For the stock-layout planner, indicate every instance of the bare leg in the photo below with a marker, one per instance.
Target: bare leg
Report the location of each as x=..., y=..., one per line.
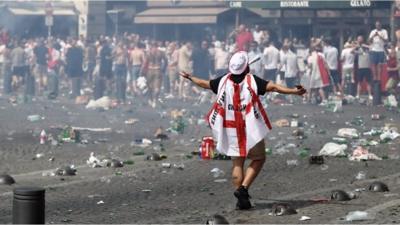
x=374, y=71
x=252, y=171
x=237, y=171
x=369, y=89
x=359, y=88
x=181, y=87
x=322, y=93
x=378, y=72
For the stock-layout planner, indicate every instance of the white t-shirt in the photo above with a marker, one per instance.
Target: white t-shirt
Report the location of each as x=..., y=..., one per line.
x=378, y=45
x=257, y=36
x=271, y=58
x=2, y=48
x=257, y=66
x=282, y=58
x=303, y=53
x=348, y=58
x=291, y=65
x=221, y=58
x=331, y=56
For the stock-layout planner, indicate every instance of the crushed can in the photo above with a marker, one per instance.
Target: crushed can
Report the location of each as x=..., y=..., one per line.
x=375, y=117
x=207, y=148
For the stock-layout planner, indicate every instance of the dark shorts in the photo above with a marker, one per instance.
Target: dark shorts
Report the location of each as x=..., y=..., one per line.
x=19, y=71
x=106, y=71
x=270, y=75
x=290, y=82
x=377, y=57
x=363, y=74
x=335, y=77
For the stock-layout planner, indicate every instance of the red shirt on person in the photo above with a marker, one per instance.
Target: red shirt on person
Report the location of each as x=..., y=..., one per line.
x=392, y=63
x=242, y=39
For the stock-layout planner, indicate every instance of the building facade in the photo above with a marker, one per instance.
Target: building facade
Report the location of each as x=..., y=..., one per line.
x=305, y=18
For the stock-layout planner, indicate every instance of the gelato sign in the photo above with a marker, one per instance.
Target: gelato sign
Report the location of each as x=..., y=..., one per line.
x=360, y=3
x=295, y=4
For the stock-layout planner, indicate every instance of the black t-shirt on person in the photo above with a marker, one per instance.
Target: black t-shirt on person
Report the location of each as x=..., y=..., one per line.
x=261, y=83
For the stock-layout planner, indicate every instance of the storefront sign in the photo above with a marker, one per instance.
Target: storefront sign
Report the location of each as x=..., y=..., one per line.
x=313, y=4
x=360, y=3
x=294, y=4
x=48, y=21
x=235, y=4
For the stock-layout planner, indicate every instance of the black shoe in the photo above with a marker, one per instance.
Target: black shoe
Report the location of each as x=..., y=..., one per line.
x=243, y=196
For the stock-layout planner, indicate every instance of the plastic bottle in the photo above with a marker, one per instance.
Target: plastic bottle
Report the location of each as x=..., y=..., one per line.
x=43, y=137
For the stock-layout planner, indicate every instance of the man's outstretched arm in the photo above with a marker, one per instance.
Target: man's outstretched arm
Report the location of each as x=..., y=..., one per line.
x=299, y=90
x=199, y=82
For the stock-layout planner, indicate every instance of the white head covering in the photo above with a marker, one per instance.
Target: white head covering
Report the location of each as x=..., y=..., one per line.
x=238, y=63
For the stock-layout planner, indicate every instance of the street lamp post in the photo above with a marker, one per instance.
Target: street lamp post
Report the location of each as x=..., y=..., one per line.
x=116, y=23
x=49, y=17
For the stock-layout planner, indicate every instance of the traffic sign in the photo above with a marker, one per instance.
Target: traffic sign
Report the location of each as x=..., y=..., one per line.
x=48, y=21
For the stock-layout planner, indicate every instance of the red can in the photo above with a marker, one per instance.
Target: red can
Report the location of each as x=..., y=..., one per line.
x=207, y=148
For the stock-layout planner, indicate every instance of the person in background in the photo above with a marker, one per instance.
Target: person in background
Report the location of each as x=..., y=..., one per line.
x=185, y=63
x=41, y=57
x=331, y=55
x=120, y=56
x=201, y=62
x=105, y=67
x=90, y=59
x=136, y=63
x=155, y=59
x=362, y=66
x=243, y=37
x=6, y=69
x=393, y=70
x=292, y=69
x=18, y=64
x=74, y=60
x=270, y=61
x=254, y=52
x=377, y=39
x=319, y=72
x=258, y=34
x=347, y=59
x=211, y=53
x=172, y=69
x=221, y=58
x=2, y=50
x=53, y=66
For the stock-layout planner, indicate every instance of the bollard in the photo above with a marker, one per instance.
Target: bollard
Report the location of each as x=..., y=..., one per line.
x=377, y=98
x=29, y=205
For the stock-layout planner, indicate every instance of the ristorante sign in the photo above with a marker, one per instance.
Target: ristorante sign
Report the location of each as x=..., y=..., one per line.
x=310, y=4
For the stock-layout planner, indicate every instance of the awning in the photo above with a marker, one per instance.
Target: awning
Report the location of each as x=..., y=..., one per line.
x=266, y=13
x=40, y=12
x=115, y=11
x=179, y=15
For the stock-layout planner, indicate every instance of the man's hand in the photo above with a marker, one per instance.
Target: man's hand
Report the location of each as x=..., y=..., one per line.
x=186, y=75
x=300, y=90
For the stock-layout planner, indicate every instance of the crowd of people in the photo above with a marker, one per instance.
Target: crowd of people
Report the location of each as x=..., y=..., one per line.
x=133, y=66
